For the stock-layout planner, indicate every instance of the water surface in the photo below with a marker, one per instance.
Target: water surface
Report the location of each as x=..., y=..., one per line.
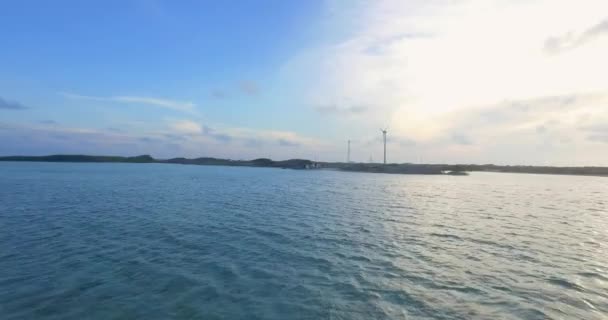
x=156, y=241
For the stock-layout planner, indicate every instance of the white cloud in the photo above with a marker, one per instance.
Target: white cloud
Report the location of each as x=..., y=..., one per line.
x=163, y=103
x=235, y=142
x=571, y=40
x=419, y=66
x=186, y=127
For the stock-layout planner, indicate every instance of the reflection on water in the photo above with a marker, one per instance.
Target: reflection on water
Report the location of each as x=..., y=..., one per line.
x=102, y=241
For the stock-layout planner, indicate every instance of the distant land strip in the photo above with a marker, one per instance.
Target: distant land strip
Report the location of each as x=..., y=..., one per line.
x=404, y=168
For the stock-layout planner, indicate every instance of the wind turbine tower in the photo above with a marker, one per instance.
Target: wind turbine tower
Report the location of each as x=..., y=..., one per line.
x=384, y=131
x=348, y=153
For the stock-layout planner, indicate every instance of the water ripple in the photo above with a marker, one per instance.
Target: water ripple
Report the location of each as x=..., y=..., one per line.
x=119, y=241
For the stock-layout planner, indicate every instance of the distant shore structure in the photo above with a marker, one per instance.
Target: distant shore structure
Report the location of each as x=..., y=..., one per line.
x=384, y=131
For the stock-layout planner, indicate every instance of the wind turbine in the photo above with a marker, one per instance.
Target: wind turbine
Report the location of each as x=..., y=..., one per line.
x=348, y=153
x=384, y=131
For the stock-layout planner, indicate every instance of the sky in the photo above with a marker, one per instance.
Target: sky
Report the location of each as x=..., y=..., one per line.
x=453, y=81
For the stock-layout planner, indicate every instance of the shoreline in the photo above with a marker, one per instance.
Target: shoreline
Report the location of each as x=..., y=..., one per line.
x=304, y=164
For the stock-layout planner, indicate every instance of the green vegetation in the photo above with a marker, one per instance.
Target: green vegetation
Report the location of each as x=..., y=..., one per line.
x=460, y=169
x=289, y=164
x=586, y=171
x=389, y=168
x=405, y=168
x=80, y=158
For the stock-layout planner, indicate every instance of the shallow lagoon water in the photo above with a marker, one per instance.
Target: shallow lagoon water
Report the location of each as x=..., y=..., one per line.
x=155, y=241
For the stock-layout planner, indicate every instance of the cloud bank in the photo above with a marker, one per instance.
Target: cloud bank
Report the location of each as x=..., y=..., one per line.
x=468, y=80
x=179, y=138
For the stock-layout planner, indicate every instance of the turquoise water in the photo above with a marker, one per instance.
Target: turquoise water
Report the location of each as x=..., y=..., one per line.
x=154, y=241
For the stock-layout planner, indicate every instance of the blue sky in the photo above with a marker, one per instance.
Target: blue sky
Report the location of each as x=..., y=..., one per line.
x=218, y=56
x=454, y=81
x=190, y=51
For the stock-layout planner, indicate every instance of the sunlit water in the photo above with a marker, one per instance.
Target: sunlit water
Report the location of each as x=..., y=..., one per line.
x=153, y=241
